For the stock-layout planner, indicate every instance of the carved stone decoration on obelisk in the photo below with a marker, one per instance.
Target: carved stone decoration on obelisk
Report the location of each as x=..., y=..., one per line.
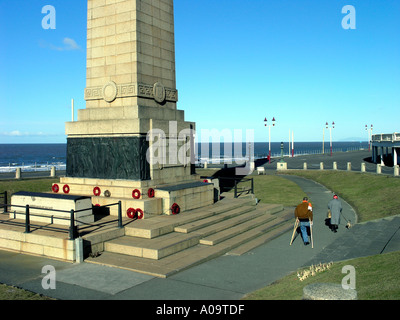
x=130, y=89
x=127, y=144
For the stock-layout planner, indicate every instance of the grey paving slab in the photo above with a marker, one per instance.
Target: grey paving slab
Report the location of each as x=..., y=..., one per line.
x=174, y=289
x=101, y=278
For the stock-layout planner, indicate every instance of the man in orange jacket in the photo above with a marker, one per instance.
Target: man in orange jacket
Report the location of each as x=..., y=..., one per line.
x=304, y=214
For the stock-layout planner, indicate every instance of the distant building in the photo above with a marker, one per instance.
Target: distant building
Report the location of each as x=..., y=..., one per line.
x=386, y=148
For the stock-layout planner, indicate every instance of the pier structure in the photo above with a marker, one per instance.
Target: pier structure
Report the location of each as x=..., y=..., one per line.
x=386, y=148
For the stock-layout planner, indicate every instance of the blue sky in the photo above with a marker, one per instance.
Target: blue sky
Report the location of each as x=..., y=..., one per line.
x=237, y=62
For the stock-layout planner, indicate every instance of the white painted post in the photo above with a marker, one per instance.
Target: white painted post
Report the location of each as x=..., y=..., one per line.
x=348, y=166
x=396, y=170
x=18, y=173
x=79, y=250
x=321, y=166
x=363, y=167
x=305, y=166
x=334, y=165
x=53, y=171
x=378, y=168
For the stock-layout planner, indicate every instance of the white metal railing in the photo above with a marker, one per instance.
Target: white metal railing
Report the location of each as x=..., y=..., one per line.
x=386, y=137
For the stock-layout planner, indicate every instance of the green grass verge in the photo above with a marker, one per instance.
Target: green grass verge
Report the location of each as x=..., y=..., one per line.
x=276, y=189
x=13, y=293
x=31, y=185
x=372, y=196
x=376, y=279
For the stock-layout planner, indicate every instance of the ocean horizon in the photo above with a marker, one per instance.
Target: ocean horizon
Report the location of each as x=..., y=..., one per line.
x=43, y=156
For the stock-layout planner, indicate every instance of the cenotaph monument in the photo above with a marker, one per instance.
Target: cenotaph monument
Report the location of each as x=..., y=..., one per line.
x=131, y=143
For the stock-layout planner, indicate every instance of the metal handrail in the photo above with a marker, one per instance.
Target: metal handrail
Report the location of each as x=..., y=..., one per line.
x=236, y=182
x=4, y=195
x=73, y=229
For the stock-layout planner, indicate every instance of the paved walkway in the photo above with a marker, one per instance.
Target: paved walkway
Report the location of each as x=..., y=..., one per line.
x=341, y=158
x=225, y=278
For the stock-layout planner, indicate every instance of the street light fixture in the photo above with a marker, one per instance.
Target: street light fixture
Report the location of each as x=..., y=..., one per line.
x=269, y=135
x=330, y=133
x=369, y=136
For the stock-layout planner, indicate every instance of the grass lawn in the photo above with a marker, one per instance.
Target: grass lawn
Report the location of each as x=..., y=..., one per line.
x=13, y=293
x=377, y=278
x=276, y=189
x=31, y=185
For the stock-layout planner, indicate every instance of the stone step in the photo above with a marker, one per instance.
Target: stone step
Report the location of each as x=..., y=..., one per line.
x=152, y=248
x=212, y=220
x=182, y=260
x=245, y=207
x=172, y=252
x=232, y=222
x=159, y=225
x=244, y=237
x=212, y=238
x=264, y=238
x=126, y=192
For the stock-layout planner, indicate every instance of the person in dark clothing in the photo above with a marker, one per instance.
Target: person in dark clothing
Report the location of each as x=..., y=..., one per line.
x=335, y=208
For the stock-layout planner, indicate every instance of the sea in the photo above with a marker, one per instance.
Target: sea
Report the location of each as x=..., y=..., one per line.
x=41, y=157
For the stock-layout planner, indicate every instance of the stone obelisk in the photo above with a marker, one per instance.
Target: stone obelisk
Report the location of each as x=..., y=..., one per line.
x=130, y=92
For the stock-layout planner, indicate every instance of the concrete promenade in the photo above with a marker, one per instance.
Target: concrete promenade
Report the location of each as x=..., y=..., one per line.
x=228, y=277
x=341, y=158
x=313, y=163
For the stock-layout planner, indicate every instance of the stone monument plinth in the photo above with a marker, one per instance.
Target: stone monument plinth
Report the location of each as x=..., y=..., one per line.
x=131, y=143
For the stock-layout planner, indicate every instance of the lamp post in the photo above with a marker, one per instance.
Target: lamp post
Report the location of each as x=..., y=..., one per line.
x=330, y=133
x=269, y=136
x=369, y=136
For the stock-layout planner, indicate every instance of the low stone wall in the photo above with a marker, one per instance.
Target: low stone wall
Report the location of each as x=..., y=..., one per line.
x=37, y=244
x=51, y=208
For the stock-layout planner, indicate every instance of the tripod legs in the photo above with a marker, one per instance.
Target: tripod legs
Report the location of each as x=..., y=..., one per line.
x=296, y=224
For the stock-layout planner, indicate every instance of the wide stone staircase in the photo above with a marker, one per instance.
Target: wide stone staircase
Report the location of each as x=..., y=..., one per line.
x=164, y=245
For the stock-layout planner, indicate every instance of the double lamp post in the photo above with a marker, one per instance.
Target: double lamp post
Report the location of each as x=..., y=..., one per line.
x=269, y=135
